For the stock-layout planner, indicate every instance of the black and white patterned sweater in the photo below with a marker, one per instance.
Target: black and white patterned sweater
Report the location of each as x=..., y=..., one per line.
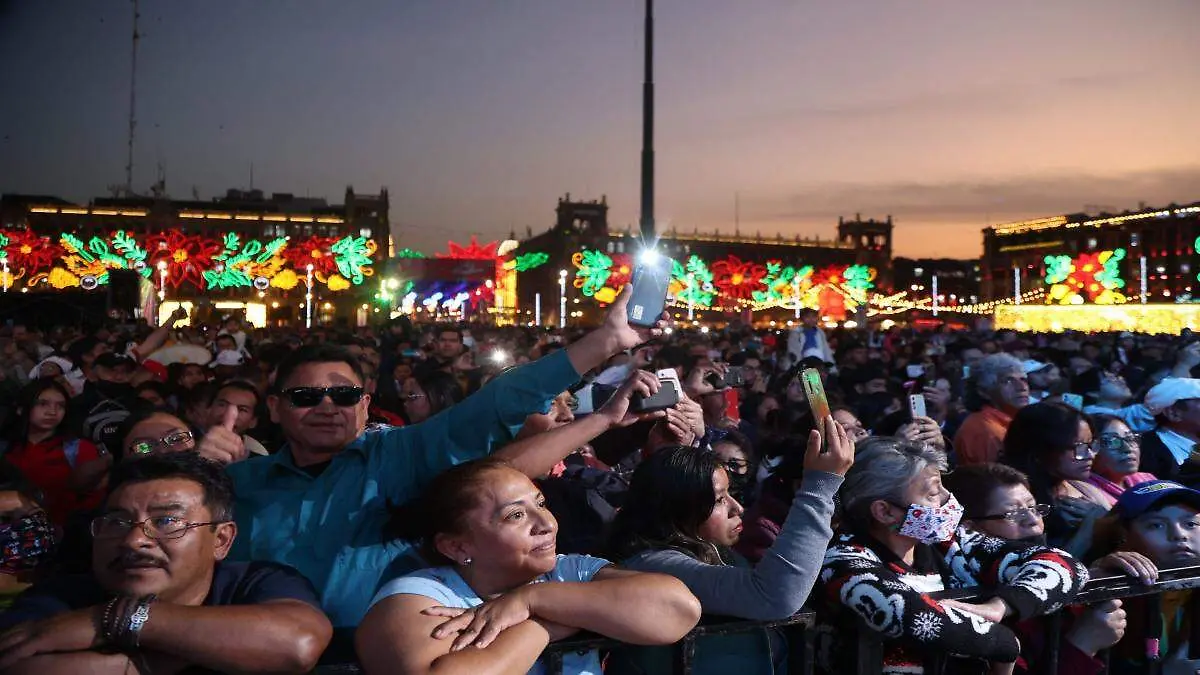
x=864, y=585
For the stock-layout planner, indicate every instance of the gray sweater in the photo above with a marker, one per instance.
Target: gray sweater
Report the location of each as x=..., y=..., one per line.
x=779, y=585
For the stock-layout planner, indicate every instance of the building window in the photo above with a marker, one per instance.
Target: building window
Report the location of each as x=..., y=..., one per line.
x=365, y=232
x=1092, y=243
x=612, y=247
x=620, y=247
x=1134, y=239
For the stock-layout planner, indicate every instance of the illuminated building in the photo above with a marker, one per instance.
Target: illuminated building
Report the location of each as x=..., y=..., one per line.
x=713, y=271
x=1036, y=253
x=245, y=247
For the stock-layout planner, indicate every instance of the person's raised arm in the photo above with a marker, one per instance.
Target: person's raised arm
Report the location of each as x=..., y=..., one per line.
x=536, y=455
x=159, y=337
x=470, y=429
x=778, y=586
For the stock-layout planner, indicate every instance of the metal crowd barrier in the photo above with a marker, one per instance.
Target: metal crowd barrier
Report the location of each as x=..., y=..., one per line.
x=869, y=661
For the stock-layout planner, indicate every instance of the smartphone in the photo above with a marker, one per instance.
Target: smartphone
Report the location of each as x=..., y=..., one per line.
x=651, y=279
x=667, y=396
x=966, y=372
x=1073, y=400
x=814, y=391
x=916, y=405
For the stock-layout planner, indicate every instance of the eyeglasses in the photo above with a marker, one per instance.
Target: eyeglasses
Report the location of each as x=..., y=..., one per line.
x=1084, y=450
x=1017, y=515
x=310, y=397
x=171, y=440
x=112, y=526
x=737, y=465
x=1113, y=442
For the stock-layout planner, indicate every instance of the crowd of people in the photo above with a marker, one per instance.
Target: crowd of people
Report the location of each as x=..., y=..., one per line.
x=446, y=498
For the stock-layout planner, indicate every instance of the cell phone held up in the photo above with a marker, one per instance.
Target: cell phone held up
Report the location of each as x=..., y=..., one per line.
x=651, y=279
x=916, y=406
x=814, y=391
x=667, y=396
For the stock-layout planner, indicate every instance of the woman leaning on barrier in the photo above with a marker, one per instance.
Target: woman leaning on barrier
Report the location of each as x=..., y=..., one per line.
x=679, y=519
x=501, y=593
x=900, y=541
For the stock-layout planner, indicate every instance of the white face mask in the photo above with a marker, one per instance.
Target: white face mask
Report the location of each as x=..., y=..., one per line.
x=932, y=524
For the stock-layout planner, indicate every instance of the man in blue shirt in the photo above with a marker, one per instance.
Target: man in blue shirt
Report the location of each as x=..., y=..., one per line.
x=320, y=504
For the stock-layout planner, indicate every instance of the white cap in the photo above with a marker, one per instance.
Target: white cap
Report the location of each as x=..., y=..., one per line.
x=1171, y=391
x=63, y=364
x=227, y=357
x=1032, y=366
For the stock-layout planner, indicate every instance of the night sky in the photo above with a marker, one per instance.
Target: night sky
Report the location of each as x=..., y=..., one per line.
x=479, y=114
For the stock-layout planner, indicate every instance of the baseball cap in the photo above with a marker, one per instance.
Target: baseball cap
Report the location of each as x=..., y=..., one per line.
x=1032, y=366
x=1171, y=391
x=114, y=360
x=1141, y=498
x=158, y=370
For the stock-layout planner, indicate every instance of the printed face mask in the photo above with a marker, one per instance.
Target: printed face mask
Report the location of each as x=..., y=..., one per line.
x=932, y=524
x=25, y=544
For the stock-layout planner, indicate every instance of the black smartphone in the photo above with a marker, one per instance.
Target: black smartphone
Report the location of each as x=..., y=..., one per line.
x=667, y=396
x=651, y=279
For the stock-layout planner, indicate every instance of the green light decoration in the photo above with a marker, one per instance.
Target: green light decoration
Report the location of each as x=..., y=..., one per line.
x=410, y=254
x=233, y=271
x=695, y=282
x=859, y=278
x=352, y=254
x=529, y=261
x=134, y=254
x=3, y=245
x=780, y=282
x=594, y=270
x=1058, y=268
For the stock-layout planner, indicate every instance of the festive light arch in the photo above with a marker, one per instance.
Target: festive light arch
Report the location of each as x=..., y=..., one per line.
x=1089, y=278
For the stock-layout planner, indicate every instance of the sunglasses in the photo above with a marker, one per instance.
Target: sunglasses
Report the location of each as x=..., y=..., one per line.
x=310, y=397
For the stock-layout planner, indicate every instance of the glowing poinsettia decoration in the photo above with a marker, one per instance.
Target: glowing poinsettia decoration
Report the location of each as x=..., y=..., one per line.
x=1089, y=277
x=27, y=254
x=692, y=283
x=187, y=257
x=472, y=251
x=738, y=279
x=239, y=265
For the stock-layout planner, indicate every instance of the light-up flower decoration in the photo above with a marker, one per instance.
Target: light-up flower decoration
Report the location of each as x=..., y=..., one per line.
x=738, y=279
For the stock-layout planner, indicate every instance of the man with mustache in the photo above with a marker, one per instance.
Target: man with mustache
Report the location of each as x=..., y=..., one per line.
x=160, y=597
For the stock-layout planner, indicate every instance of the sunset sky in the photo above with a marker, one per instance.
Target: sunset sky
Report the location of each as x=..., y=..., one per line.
x=479, y=114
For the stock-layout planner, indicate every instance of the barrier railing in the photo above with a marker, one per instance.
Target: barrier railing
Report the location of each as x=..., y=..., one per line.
x=801, y=639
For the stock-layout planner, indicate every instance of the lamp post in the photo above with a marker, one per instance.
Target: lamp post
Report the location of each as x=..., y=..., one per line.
x=935, y=295
x=562, y=299
x=1144, y=279
x=537, y=309
x=796, y=294
x=691, y=296
x=1016, y=285
x=4, y=262
x=308, y=297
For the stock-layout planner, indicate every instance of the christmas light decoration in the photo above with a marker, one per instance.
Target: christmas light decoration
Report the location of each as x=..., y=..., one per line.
x=408, y=253
x=352, y=255
x=692, y=283
x=782, y=284
x=472, y=251
x=529, y=261
x=239, y=265
x=1154, y=319
x=600, y=276
x=1088, y=278
x=737, y=279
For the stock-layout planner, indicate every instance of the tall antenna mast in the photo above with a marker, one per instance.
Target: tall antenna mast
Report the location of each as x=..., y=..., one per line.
x=647, y=215
x=132, y=102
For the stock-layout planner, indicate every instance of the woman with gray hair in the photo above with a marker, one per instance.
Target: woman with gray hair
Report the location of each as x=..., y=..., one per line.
x=900, y=540
x=997, y=389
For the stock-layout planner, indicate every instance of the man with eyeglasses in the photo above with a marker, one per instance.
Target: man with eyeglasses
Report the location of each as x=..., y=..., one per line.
x=321, y=502
x=160, y=597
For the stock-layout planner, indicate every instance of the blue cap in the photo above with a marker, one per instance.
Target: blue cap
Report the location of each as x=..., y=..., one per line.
x=1141, y=498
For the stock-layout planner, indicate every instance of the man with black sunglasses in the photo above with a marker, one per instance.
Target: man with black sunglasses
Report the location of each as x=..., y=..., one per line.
x=160, y=597
x=321, y=502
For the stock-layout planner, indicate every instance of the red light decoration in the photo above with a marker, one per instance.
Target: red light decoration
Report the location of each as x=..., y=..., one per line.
x=738, y=279
x=187, y=257
x=472, y=251
x=312, y=251
x=28, y=251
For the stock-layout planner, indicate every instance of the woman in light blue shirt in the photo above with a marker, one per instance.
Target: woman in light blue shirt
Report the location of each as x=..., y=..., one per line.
x=502, y=593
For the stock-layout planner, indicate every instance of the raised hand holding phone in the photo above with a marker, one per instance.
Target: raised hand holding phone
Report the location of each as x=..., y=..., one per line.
x=814, y=391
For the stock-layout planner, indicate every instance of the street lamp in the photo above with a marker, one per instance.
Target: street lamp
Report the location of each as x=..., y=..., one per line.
x=308, y=297
x=691, y=296
x=562, y=299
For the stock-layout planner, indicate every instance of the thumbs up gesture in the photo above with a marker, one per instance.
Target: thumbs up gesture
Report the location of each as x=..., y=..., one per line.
x=221, y=443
